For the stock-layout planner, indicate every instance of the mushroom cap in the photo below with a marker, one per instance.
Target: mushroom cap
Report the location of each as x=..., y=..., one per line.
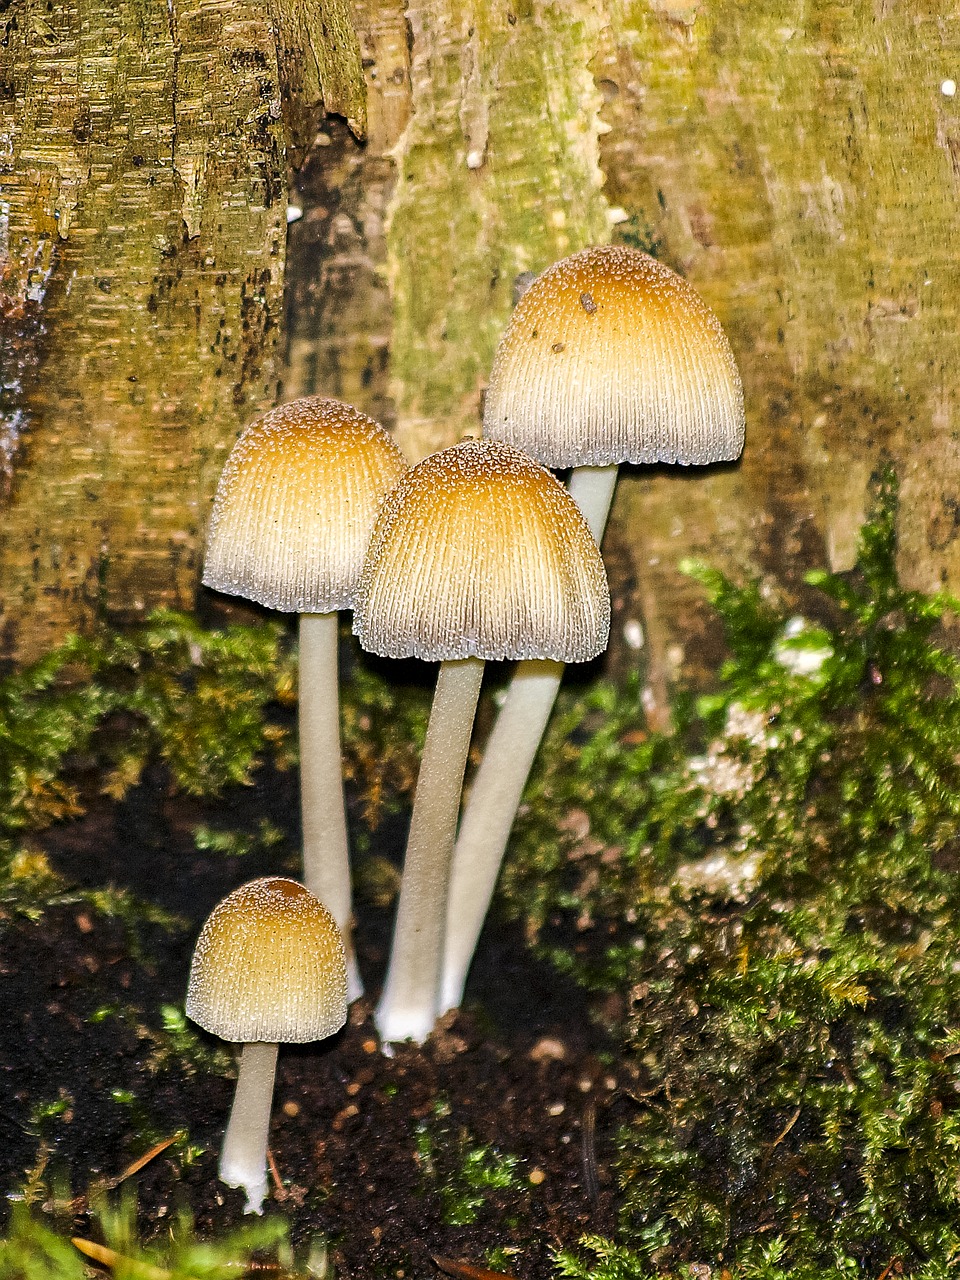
x=269, y=966
x=480, y=552
x=295, y=505
x=612, y=357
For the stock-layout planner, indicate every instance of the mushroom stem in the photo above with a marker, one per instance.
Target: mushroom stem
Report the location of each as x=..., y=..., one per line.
x=592, y=488
x=408, y=1006
x=243, y=1161
x=326, y=856
x=488, y=816
x=497, y=787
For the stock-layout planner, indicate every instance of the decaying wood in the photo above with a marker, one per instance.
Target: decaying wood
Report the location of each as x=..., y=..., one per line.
x=144, y=220
x=798, y=163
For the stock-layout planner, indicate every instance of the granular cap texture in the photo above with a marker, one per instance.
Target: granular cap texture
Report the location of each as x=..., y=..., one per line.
x=480, y=552
x=295, y=505
x=612, y=357
x=269, y=966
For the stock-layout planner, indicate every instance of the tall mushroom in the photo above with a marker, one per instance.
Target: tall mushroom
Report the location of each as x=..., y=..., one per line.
x=478, y=553
x=269, y=968
x=291, y=519
x=609, y=357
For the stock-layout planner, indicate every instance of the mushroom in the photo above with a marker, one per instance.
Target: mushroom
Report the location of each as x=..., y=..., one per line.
x=609, y=357
x=478, y=553
x=268, y=968
x=291, y=518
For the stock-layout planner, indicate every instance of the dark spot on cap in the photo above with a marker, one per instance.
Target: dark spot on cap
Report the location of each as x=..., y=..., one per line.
x=557, y=348
x=588, y=304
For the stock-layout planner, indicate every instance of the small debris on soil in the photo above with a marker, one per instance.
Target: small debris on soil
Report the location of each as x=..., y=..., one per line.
x=373, y=1152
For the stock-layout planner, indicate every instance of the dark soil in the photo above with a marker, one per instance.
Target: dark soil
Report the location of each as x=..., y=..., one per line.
x=367, y=1150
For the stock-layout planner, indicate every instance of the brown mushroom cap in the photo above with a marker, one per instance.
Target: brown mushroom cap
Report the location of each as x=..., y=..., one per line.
x=612, y=357
x=269, y=966
x=295, y=505
x=480, y=552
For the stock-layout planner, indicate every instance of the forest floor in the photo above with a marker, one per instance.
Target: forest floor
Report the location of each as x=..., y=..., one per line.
x=766, y=902
x=490, y=1145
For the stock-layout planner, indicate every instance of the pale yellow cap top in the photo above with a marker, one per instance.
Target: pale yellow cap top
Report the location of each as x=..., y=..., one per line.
x=480, y=552
x=612, y=357
x=295, y=505
x=269, y=966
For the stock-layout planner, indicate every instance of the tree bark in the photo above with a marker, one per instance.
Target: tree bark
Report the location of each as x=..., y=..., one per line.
x=798, y=163
x=144, y=221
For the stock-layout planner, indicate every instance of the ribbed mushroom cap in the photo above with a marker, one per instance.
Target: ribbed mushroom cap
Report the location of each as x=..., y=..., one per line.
x=269, y=966
x=481, y=552
x=612, y=357
x=295, y=505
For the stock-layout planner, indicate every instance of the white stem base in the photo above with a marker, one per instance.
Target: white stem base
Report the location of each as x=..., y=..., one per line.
x=408, y=1006
x=243, y=1161
x=326, y=856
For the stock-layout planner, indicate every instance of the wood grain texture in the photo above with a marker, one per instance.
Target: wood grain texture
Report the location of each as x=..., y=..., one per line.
x=798, y=163
x=340, y=317
x=144, y=201
x=498, y=174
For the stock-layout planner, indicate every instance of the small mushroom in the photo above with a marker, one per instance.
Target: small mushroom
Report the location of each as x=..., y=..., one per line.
x=478, y=553
x=609, y=357
x=291, y=519
x=268, y=968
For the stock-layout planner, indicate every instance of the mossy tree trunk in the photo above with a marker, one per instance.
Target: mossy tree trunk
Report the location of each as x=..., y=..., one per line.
x=798, y=163
x=143, y=195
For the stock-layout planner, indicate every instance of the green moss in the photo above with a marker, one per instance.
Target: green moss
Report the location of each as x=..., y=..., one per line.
x=238, y=844
x=465, y=1174
x=599, y=1259
x=177, y=1042
x=28, y=884
x=202, y=702
x=35, y=1249
x=44, y=1115
x=774, y=890
x=46, y=712
x=383, y=726
x=210, y=707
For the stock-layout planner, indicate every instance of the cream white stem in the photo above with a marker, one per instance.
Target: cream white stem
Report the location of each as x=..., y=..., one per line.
x=243, y=1161
x=592, y=488
x=326, y=856
x=488, y=816
x=497, y=788
x=408, y=1006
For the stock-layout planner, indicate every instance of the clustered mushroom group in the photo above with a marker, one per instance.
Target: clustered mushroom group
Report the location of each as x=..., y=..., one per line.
x=478, y=552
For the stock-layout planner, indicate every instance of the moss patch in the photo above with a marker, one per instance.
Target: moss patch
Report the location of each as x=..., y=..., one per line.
x=772, y=891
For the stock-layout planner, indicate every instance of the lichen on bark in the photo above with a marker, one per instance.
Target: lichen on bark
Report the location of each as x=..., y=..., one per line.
x=498, y=174
x=797, y=163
